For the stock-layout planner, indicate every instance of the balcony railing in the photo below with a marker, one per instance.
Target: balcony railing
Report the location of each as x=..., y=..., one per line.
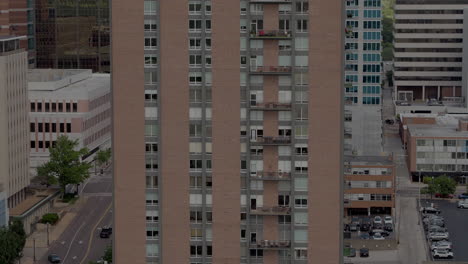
x=270, y=106
x=272, y=175
x=271, y=210
x=270, y=34
x=270, y=1
x=275, y=70
x=272, y=141
x=271, y=244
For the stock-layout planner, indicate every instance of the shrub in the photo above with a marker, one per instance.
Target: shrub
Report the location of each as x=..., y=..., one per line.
x=50, y=218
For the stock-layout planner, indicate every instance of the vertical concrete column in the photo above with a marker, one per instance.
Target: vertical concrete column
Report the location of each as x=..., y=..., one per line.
x=423, y=93
x=174, y=146
x=438, y=92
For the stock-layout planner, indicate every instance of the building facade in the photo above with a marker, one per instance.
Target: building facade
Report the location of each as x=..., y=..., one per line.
x=17, y=19
x=3, y=207
x=437, y=145
x=428, y=50
x=73, y=34
x=75, y=103
x=363, y=78
x=228, y=139
x=14, y=154
x=369, y=185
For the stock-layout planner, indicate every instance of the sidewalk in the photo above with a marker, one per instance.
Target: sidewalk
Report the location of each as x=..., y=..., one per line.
x=39, y=237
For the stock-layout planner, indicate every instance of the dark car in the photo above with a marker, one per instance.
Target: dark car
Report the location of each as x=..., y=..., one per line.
x=463, y=196
x=439, y=195
x=388, y=227
x=378, y=226
x=364, y=252
x=365, y=227
x=430, y=210
x=105, y=232
x=53, y=258
x=365, y=236
x=352, y=252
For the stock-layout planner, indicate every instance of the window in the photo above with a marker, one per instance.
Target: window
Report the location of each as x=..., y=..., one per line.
x=195, y=8
x=150, y=25
x=75, y=107
x=151, y=43
x=256, y=253
x=300, y=166
x=33, y=144
x=207, y=8
x=151, y=182
x=151, y=130
x=152, y=216
x=300, y=201
x=208, y=43
x=372, y=3
x=47, y=127
x=208, y=25
x=32, y=127
x=302, y=43
x=152, y=232
x=39, y=127
x=151, y=77
x=301, y=25
x=151, y=60
x=195, y=164
x=151, y=198
x=195, y=25
x=60, y=107
x=302, y=7
x=152, y=250
x=301, y=149
x=196, y=234
x=371, y=100
x=33, y=107
x=39, y=107
x=195, y=130
x=196, y=251
x=68, y=127
x=195, y=60
x=284, y=219
x=195, y=44
x=150, y=7
x=151, y=147
x=195, y=78
x=300, y=218
x=300, y=253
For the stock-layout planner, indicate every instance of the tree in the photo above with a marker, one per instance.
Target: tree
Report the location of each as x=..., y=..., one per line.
x=12, y=242
x=65, y=165
x=108, y=255
x=442, y=184
x=103, y=156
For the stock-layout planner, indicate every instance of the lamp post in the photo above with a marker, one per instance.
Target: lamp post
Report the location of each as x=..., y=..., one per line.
x=47, y=234
x=34, y=250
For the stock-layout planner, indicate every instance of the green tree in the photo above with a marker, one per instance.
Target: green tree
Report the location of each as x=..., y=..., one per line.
x=442, y=184
x=12, y=242
x=103, y=156
x=108, y=255
x=65, y=165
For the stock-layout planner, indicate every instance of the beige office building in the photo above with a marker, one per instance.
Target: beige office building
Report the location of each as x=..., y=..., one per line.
x=14, y=121
x=228, y=131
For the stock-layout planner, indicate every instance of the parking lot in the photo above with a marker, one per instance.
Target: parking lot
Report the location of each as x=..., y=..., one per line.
x=358, y=231
x=456, y=221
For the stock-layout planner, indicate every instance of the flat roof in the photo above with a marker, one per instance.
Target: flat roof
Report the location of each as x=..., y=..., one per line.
x=31, y=201
x=369, y=160
x=445, y=126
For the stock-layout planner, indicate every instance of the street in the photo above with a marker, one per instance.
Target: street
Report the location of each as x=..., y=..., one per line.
x=80, y=242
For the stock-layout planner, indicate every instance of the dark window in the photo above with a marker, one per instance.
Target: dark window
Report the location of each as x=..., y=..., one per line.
x=33, y=127
x=39, y=127
x=68, y=127
x=33, y=107
x=62, y=127
x=47, y=107
x=39, y=107
x=33, y=144
x=75, y=107
x=47, y=127
x=41, y=144
x=60, y=107
x=54, y=107
x=47, y=144
x=54, y=127
x=68, y=107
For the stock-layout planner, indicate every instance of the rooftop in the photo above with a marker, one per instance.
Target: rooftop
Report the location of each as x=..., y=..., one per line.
x=445, y=126
x=31, y=201
x=369, y=160
x=74, y=83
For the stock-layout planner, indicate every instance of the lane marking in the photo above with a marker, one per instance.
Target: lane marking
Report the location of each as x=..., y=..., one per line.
x=91, y=236
x=71, y=242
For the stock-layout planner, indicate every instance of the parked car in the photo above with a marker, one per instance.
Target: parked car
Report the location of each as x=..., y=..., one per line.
x=443, y=244
x=105, y=232
x=436, y=229
x=438, y=236
x=381, y=231
x=439, y=195
x=365, y=236
x=378, y=236
x=388, y=220
x=366, y=221
x=378, y=226
x=430, y=210
x=352, y=253
x=365, y=227
x=463, y=204
x=346, y=227
x=463, y=196
x=378, y=220
x=364, y=252
x=353, y=227
x=437, y=222
x=53, y=258
x=388, y=227
x=442, y=253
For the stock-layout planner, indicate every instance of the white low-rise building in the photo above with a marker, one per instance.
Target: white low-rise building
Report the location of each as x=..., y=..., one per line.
x=75, y=103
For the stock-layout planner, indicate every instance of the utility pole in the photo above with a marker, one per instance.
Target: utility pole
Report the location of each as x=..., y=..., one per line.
x=47, y=234
x=34, y=250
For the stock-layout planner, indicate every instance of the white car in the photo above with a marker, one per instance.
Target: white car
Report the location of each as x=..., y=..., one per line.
x=463, y=204
x=442, y=253
x=441, y=245
x=438, y=236
x=378, y=236
x=378, y=220
x=388, y=220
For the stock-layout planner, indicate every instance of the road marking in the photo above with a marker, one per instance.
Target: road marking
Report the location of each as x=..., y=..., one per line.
x=91, y=236
x=80, y=242
x=63, y=242
x=71, y=242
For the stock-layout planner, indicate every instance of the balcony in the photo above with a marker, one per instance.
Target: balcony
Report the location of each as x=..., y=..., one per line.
x=270, y=70
x=271, y=176
x=270, y=106
x=273, y=141
x=271, y=244
x=271, y=34
x=271, y=210
x=270, y=1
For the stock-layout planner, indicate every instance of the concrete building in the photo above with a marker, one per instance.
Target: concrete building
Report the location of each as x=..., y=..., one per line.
x=14, y=121
x=363, y=77
x=75, y=103
x=73, y=34
x=369, y=185
x=428, y=50
x=17, y=19
x=436, y=145
x=243, y=130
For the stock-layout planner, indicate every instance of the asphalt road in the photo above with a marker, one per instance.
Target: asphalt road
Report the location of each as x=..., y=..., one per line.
x=456, y=221
x=80, y=242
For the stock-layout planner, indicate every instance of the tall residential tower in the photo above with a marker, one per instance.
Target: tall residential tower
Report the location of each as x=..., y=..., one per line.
x=228, y=140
